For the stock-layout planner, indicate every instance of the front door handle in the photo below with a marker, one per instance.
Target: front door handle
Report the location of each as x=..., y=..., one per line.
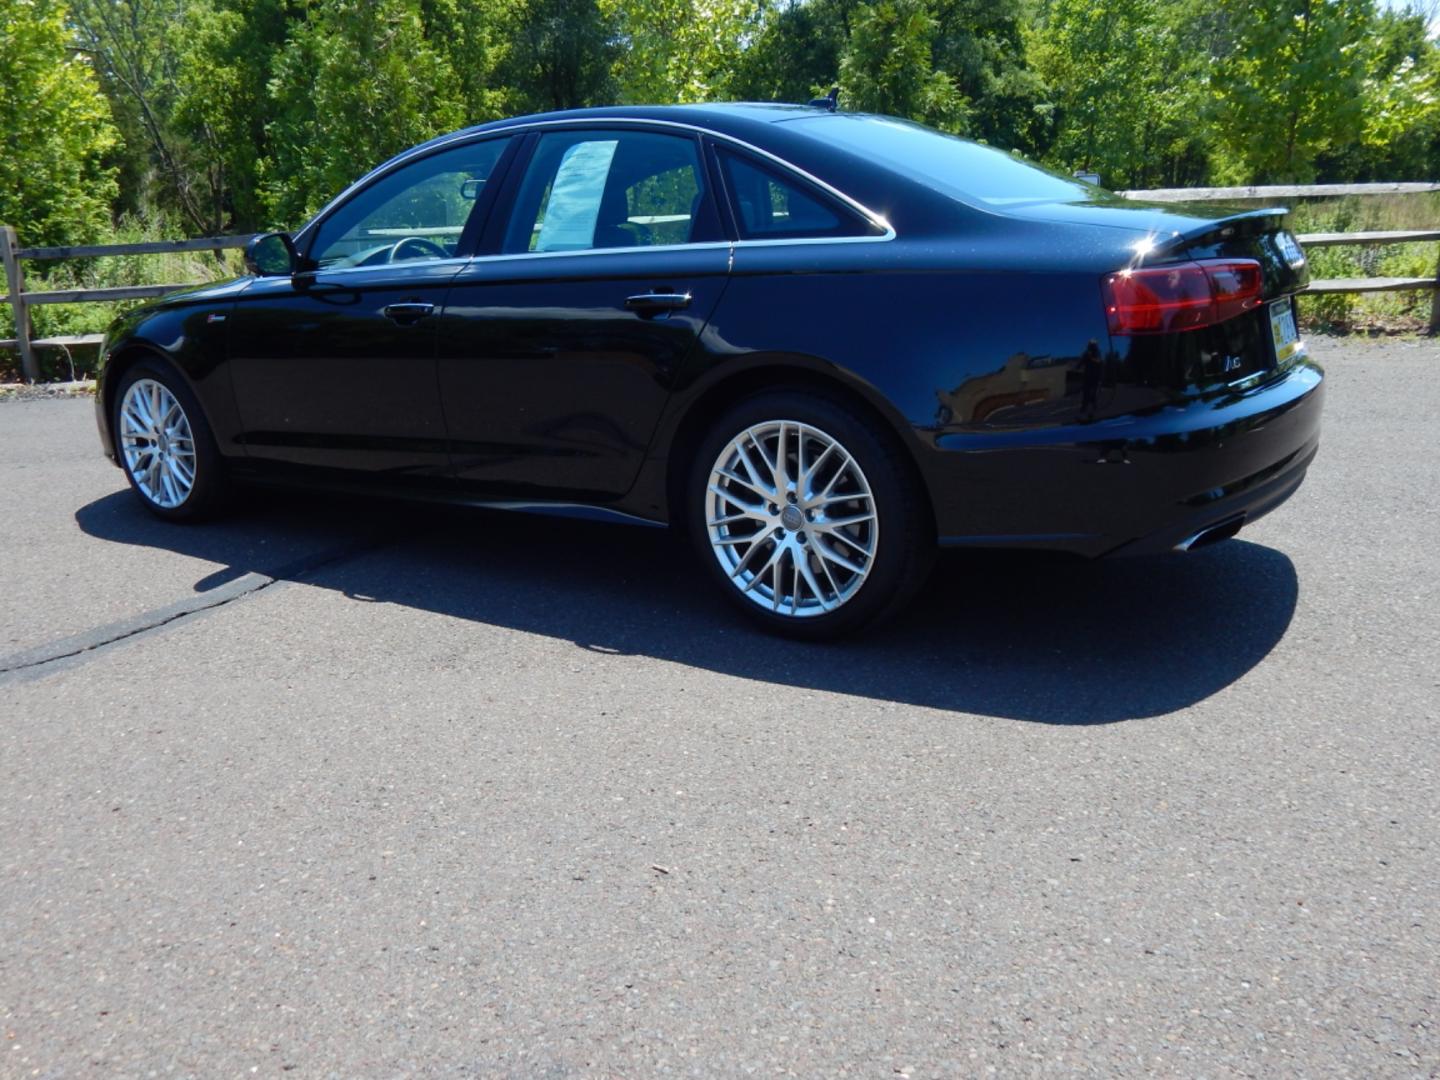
x=648, y=304
x=408, y=312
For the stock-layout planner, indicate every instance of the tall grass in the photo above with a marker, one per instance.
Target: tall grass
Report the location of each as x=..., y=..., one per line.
x=1388, y=311
x=54, y=320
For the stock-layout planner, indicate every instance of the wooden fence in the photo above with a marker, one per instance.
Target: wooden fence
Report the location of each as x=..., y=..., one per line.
x=22, y=300
x=1309, y=240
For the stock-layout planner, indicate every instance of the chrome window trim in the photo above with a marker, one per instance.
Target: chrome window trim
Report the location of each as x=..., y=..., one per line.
x=793, y=240
x=457, y=261
x=708, y=245
x=600, y=122
x=705, y=245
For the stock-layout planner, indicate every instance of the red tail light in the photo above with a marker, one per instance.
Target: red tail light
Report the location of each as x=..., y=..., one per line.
x=1184, y=296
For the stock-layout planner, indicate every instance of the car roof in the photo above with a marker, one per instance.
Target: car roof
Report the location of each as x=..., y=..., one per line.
x=718, y=115
x=729, y=118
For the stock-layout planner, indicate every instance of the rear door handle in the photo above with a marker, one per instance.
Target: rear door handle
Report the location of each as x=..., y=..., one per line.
x=408, y=312
x=656, y=302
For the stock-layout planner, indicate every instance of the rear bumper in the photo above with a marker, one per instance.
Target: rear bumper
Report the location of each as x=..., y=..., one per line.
x=1133, y=484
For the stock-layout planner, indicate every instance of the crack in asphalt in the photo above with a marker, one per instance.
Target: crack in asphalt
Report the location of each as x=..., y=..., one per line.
x=91, y=642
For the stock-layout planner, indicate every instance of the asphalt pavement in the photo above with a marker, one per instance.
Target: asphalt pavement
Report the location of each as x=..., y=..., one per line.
x=345, y=789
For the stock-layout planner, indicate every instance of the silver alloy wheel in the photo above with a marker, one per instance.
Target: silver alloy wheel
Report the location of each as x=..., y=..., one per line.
x=791, y=518
x=157, y=443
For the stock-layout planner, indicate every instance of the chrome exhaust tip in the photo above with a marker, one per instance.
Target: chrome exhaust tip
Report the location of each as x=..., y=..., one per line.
x=1211, y=534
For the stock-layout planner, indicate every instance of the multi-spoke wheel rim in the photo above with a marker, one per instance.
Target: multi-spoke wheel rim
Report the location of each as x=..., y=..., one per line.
x=157, y=443
x=791, y=518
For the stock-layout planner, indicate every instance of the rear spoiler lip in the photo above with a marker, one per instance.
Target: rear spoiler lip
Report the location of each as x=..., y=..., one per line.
x=1203, y=229
x=1281, y=279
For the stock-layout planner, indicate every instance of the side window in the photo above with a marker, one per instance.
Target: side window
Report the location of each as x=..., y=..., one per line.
x=771, y=206
x=610, y=189
x=417, y=212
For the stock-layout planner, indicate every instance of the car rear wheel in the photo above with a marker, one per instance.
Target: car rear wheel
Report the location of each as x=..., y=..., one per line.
x=808, y=518
x=165, y=445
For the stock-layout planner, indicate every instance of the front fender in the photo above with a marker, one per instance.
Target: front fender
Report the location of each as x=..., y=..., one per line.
x=189, y=331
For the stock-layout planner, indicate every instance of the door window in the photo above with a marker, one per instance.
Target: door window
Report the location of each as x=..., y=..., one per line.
x=585, y=190
x=771, y=206
x=418, y=212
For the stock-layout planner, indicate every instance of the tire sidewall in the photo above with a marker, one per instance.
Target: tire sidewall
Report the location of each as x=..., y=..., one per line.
x=901, y=550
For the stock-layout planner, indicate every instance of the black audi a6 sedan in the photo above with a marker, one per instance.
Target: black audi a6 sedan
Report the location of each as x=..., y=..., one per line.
x=821, y=343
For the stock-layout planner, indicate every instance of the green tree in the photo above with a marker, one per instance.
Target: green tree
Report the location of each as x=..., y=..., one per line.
x=980, y=45
x=958, y=63
x=1401, y=132
x=561, y=54
x=474, y=36
x=1127, y=93
x=888, y=66
x=221, y=100
x=55, y=187
x=679, y=50
x=131, y=43
x=1291, y=86
x=795, y=53
x=356, y=83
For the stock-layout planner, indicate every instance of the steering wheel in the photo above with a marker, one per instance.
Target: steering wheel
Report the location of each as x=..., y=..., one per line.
x=423, y=248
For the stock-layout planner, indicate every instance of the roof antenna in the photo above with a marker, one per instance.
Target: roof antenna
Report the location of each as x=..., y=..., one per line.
x=830, y=103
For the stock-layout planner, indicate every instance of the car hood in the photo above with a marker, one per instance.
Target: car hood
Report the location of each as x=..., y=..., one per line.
x=214, y=290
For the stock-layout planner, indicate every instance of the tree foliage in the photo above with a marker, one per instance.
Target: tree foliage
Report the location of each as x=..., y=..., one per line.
x=1291, y=85
x=795, y=52
x=562, y=54
x=356, y=83
x=242, y=114
x=677, y=51
x=888, y=66
x=55, y=186
x=980, y=44
x=223, y=98
x=1128, y=95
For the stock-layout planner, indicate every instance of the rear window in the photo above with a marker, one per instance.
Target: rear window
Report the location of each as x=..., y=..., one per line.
x=951, y=165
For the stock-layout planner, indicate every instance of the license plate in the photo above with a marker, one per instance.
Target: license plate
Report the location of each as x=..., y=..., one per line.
x=1283, y=331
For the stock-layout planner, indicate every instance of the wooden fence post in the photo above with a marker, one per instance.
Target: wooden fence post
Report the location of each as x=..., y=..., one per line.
x=15, y=283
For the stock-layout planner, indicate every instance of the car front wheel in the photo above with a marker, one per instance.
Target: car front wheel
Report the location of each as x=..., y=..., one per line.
x=810, y=520
x=165, y=445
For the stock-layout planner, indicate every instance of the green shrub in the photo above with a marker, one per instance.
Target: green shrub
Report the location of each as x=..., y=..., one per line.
x=1409, y=310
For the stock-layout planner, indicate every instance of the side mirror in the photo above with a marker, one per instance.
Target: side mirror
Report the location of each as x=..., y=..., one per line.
x=271, y=255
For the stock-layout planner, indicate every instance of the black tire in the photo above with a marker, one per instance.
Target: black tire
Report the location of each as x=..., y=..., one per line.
x=210, y=490
x=901, y=546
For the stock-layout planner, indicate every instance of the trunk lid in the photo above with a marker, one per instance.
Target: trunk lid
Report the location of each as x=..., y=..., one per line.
x=1246, y=349
x=1173, y=232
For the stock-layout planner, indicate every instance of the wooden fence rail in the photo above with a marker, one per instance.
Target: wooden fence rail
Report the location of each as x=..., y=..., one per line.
x=20, y=300
x=1275, y=191
x=1359, y=239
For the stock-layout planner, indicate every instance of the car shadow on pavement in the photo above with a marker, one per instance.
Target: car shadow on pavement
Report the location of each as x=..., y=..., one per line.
x=1033, y=637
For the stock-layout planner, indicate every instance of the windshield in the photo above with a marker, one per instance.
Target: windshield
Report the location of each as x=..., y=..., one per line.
x=956, y=167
